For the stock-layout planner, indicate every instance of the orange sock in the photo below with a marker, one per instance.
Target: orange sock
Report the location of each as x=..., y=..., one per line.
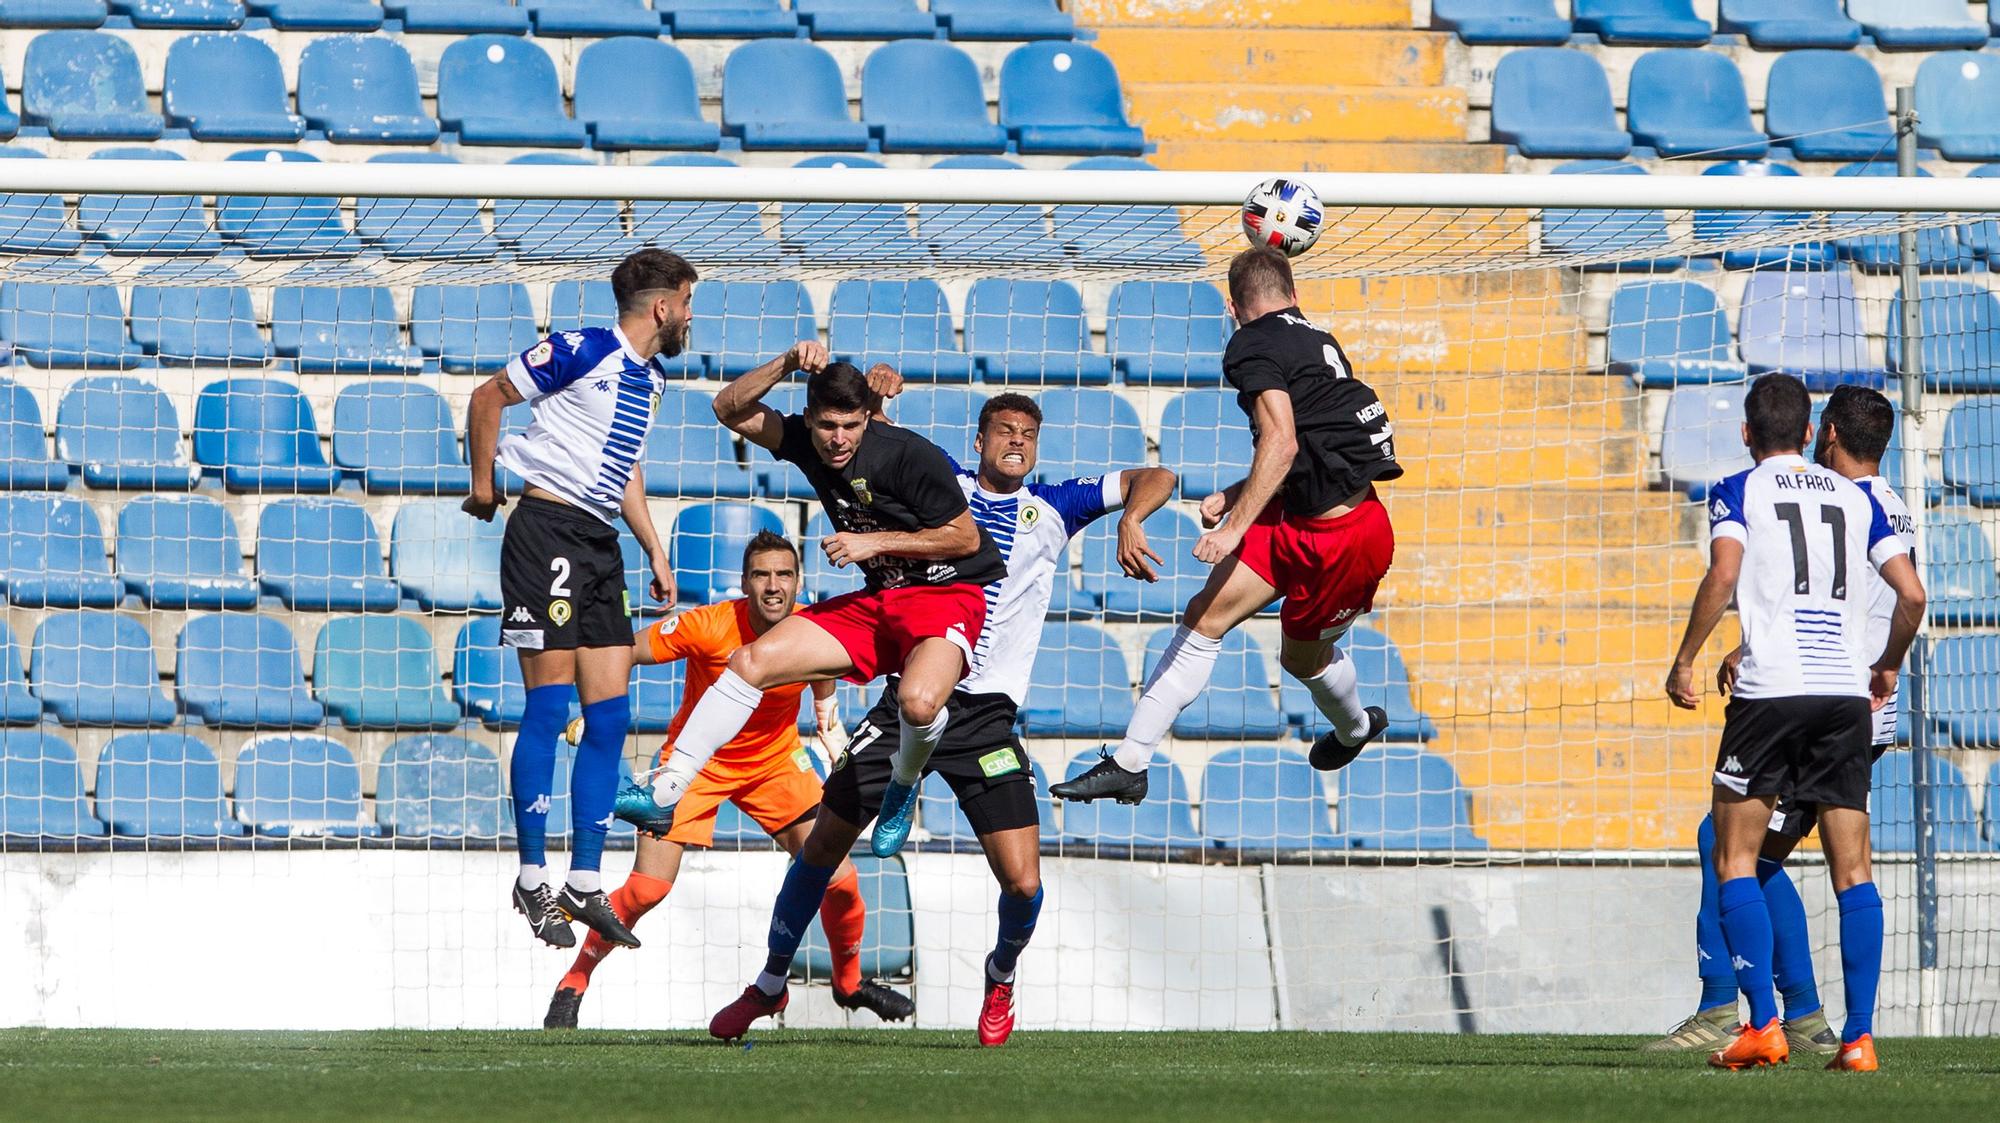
x=630, y=901
x=844, y=916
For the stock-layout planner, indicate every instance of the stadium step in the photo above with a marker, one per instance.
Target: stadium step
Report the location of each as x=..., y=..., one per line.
x=1197, y=154
x=1379, y=345
x=1570, y=400
x=1295, y=113
x=1590, y=814
x=1242, y=13
x=1580, y=577
x=1542, y=516
x=1288, y=57
x=1456, y=455
x=1577, y=749
x=1539, y=638
x=1460, y=686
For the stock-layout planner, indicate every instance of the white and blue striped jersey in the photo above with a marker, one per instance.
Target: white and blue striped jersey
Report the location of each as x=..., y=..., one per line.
x=1033, y=528
x=1882, y=599
x=1803, y=598
x=593, y=402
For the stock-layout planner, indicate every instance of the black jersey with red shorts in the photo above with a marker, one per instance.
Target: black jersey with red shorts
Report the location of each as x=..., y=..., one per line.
x=1326, y=569
x=896, y=481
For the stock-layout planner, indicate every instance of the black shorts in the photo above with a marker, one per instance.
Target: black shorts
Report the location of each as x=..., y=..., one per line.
x=1809, y=749
x=1797, y=820
x=979, y=757
x=562, y=580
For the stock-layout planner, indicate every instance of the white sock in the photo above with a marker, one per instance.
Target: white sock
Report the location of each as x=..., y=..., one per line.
x=532, y=877
x=723, y=711
x=998, y=976
x=585, y=881
x=770, y=984
x=1180, y=677
x=913, y=750
x=1337, y=695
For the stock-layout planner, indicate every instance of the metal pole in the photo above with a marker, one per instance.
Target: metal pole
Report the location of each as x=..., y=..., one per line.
x=1930, y=1016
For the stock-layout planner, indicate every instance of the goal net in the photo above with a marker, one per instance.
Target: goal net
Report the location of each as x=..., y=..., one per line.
x=260, y=724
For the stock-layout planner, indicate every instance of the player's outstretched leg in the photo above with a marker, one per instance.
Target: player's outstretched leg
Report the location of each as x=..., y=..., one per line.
x=1177, y=680
x=844, y=916
x=1328, y=675
x=1017, y=926
x=812, y=869
x=593, y=787
x=1714, y=1020
x=933, y=668
x=630, y=901
x=532, y=777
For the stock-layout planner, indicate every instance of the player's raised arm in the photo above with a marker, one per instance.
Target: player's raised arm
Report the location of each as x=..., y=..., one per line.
x=482, y=438
x=884, y=383
x=1144, y=491
x=740, y=406
x=1277, y=448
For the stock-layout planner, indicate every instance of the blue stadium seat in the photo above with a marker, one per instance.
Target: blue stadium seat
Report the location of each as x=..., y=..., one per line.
x=1827, y=105
x=276, y=226
x=1963, y=680
x=1205, y=440
x=821, y=578
x=1806, y=324
x=486, y=678
x=298, y=785
x=1957, y=94
x=1555, y=102
x=18, y=705
x=68, y=325
x=656, y=696
x=319, y=15
x=379, y=672
x=458, y=17
x=41, y=788
x=1398, y=798
x=748, y=322
x=688, y=453
x=1033, y=332
x=498, y=89
x=592, y=19
x=562, y=229
x=322, y=555
x=1124, y=235
x=53, y=13
x=259, y=435
x=241, y=670
x=939, y=811
x=1684, y=103
x=705, y=232
x=1167, y=333
x=1919, y=25
x=52, y=554
x=1617, y=235
x=1172, y=535
x=227, y=88
x=32, y=223
x=946, y=416
x=182, y=552
x=24, y=453
x=85, y=85
x=728, y=19
x=865, y=19
x=889, y=946
x=413, y=229
x=1732, y=226
x=1065, y=98
x=1701, y=440
x=1262, y=797
x=924, y=96
x=1382, y=679
x=787, y=94
x=1007, y=20
x=1087, y=433
x=1959, y=336
x=398, y=437
x=472, y=329
x=1166, y=818
x=867, y=235
x=446, y=560
x=200, y=326
x=1642, y=23
x=640, y=93
x=1960, y=573
x=1080, y=686
x=350, y=330
x=146, y=225
x=986, y=235
x=1892, y=819
x=162, y=785
x=1938, y=249
x=1972, y=450
x=1784, y=25
x=441, y=787
x=1982, y=237
x=708, y=541
x=1238, y=701
x=906, y=324
x=97, y=668
x=1670, y=333
x=1501, y=22
x=362, y=89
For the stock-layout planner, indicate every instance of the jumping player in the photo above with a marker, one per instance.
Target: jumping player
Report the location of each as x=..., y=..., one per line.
x=1306, y=526
x=979, y=756
x=1784, y=538
x=562, y=582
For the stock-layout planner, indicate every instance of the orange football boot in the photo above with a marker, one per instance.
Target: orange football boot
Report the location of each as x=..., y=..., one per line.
x=1755, y=1048
x=1857, y=1055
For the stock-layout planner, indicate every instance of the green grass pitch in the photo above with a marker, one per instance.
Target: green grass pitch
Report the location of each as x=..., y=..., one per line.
x=879, y=1076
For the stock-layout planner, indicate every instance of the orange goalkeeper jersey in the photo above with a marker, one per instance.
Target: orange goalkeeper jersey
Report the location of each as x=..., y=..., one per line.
x=705, y=638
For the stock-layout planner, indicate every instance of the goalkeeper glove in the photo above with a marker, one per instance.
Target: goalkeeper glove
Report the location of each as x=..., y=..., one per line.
x=831, y=737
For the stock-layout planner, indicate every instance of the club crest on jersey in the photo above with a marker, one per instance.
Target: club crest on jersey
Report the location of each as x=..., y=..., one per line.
x=862, y=494
x=540, y=354
x=1030, y=515
x=559, y=612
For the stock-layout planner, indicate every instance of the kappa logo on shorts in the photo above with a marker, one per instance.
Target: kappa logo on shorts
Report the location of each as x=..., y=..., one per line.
x=999, y=762
x=559, y=612
x=521, y=616
x=1732, y=765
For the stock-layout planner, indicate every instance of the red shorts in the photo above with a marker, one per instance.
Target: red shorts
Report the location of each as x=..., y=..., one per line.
x=1326, y=569
x=880, y=629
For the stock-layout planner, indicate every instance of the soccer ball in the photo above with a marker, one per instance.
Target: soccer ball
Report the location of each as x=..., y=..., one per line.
x=1283, y=214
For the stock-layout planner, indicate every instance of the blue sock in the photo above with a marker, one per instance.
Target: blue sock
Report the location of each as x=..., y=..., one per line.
x=1791, y=947
x=1860, y=955
x=593, y=779
x=798, y=899
x=1017, y=927
x=533, y=771
x=1746, y=925
x=1718, y=981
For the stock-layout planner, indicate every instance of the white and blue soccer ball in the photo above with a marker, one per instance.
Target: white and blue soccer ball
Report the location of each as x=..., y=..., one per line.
x=1283, y=214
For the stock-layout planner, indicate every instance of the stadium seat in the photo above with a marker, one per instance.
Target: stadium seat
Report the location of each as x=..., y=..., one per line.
x=1960, y=573
x=278, y=226
x=1684, y=103
x=1031, y=332
x=97, y=668
x=864, y=235
x=259, y=435
x=706, y=232
x=1982, y=236
x=1204, y=438
x=1485, y=23
x=398, y=437
x=1065, y=98
x=1806, y=324
x=1729, y=226
x=1892, y=818
x=1238, y=701
x=1701, y=440
x=708, y=541
x=742, y=324
x=322, y=555
x=498, y=89
x=1172, y=535
x=1262, y=797
x=472, y=329
x=32, y=223
x=656, y=696
x=688, y=453
x=441, y=787
x=1785, y=25
x=1382, y=680
x=1958, y=93
x=946, y=416
x=1125, y=235
x=227, y=88
x=458, y=17
x=319, y=15
x=865, y=19
x=297, y=785
x=350, y=330
x=1972, y=450
x=924, y=96
x=1670, y=333
x=486, y=678
x=939, y=812
x=987, y=235
x=1616, y=238
x=1167, y=333
x=1087, y=433
x=240, y=670
x=787, y=94
x=639, y=93
x=53, y=13
x=1399, y=798
x=162, y=785
x=1008, y=20
x=1080, y=685
x=444, y=559
x=68, y=325
x=85, y=85
x=822, y=579
x=178, y=552
x=1938, y=249
x=198, y=326
x=1919, y=25
x=594, y=19
x=1165, y=818
x=888, y=946
x=18, y=705
x=41, y=788
x=1827, y=105
x=146, y=225
x=1963, y=679
x=379, y=672
x=1555, y=102
x=1958, y=340
x=562, y=229
x=728, y=19
x=1642, y=23
x=24, y=452
x=52, y=554
x=906, y=324
x=414, y=229
x=362, y=89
